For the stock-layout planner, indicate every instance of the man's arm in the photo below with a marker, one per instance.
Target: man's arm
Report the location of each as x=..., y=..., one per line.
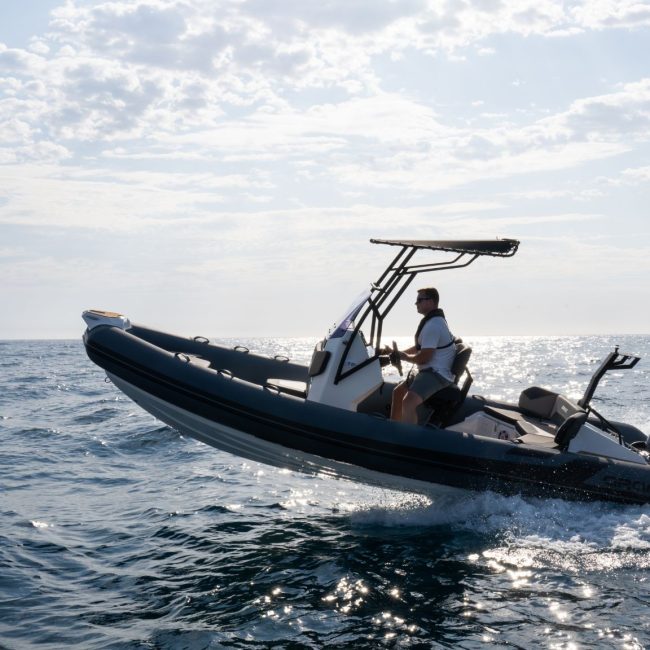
x=412, y=355
x=387, y=349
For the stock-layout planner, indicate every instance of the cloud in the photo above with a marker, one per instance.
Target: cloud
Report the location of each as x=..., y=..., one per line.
x=47, y=271
x=383, y=141
x=623, y=113
x=590, y=129
x=210, y=105
x=584, y=258
x=638, y=175
x=606, y=14
x=205, y=205
x=132, y=70
x=49, y=195
x=18, y=61
x=447, y=166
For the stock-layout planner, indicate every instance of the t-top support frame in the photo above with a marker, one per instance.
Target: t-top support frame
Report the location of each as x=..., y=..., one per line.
x=393, y=282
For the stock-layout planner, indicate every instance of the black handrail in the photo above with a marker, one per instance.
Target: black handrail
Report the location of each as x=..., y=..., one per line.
x=613, y=361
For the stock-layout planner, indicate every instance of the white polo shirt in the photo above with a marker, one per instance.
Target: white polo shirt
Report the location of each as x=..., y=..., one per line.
x=434, y=334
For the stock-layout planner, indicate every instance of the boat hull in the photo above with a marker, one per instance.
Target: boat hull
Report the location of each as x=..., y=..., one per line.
x=248, y=446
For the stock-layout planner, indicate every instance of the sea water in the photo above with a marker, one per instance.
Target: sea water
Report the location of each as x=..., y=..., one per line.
x=118, y=532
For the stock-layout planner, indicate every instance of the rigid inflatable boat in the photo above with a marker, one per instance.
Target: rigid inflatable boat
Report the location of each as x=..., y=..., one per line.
x=332, y=417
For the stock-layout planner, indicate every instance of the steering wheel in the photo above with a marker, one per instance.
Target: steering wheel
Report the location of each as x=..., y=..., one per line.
x=395, y=360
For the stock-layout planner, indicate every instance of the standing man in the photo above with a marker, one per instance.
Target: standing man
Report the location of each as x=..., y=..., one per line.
x=434, y=352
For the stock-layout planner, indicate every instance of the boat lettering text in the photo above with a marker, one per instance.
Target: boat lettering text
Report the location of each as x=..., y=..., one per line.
x=620, y=483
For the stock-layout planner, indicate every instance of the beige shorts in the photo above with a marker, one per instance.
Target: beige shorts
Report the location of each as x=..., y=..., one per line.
x=428, y=382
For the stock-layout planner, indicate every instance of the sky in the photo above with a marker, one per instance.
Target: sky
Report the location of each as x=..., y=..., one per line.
x=218, y=168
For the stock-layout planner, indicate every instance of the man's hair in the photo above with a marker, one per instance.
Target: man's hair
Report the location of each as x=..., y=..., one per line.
x=430, y=292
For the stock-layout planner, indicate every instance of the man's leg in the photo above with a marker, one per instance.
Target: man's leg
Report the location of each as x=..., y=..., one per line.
x=396, y=401
x=423, y=386
x=410, y=404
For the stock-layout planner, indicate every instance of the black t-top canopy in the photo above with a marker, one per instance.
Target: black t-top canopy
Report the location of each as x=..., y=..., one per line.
x=497, y=247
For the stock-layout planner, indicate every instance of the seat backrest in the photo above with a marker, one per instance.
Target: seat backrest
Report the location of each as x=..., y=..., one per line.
x=463, y=353
x=569, y=428
x=546, y=404
x=564, y=408
x=446, y=401
x=537, y=401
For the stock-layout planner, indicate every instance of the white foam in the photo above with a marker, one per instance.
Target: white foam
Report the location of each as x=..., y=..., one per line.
x=548, y=523
x=39, y=524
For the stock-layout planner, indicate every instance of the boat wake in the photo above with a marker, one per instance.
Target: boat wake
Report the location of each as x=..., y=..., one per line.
x=545, y=524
